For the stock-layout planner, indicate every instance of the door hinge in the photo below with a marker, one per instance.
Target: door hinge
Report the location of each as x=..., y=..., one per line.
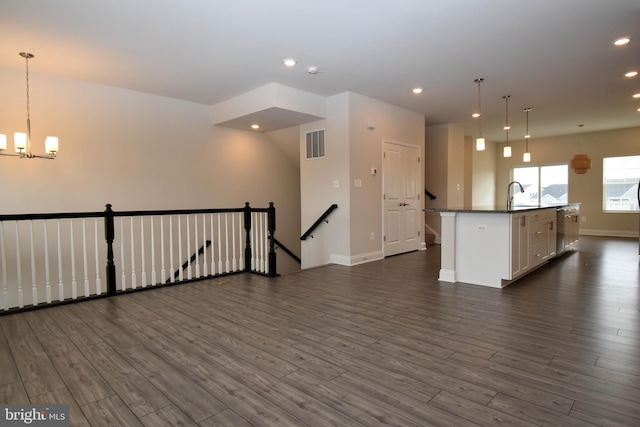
x=384, y=239
x=418, y=233
x=418, y=159
x=384, y=197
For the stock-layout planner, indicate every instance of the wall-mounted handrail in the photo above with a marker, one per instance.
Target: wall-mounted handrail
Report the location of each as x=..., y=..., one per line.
x=315, y=225
x=287, y=251
x=429, y=195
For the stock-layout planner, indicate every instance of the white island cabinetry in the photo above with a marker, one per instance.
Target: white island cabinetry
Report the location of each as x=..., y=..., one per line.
x=492, y=247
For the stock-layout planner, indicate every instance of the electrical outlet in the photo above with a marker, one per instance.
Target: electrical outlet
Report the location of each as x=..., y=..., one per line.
x=482, y=227
x=584, y=219
x=372, y=236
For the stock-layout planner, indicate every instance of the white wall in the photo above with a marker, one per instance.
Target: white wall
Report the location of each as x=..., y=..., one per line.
x=351, y=151
x=445, y=170
x=136, y=151
x=317, y=191
x=366, y=147
x=484, y=175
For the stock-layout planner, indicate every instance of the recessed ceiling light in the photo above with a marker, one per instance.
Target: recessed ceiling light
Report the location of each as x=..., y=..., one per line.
x=417, y=90
x=622, y=41
x=631, y=74
x=636, y=95
x=289, y=62
x=255, y=126
x=475, y=115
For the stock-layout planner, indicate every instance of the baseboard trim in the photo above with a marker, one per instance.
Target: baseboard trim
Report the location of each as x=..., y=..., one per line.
x=356, y=259
x=608, y=233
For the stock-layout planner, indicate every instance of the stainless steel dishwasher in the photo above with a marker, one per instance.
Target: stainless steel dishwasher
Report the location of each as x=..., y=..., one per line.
x=568, y=227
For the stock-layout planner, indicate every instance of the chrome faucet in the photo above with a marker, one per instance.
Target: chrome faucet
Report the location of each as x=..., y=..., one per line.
x=510, y=196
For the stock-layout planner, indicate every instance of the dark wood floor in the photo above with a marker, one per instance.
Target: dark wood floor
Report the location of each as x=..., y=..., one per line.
x=382, y=343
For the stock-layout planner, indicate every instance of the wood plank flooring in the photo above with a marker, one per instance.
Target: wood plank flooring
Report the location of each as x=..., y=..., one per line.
x=377, y=344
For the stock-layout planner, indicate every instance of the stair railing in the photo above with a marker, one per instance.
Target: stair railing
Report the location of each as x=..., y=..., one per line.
x=56, y=258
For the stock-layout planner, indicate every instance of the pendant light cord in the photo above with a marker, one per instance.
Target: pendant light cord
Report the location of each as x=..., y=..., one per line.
x=479, y=108
x=506, y=108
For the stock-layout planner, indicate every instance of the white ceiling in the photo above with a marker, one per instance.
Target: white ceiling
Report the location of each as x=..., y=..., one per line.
x=555, y=56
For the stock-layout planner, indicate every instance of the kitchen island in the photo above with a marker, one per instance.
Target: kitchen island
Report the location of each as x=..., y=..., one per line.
x=492, y=246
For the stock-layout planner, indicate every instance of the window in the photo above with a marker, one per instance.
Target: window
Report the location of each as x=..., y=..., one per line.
x=315, y=144
x=543, y=185
x=620, y=176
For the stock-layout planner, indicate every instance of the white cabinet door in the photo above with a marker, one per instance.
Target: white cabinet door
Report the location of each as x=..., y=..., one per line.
x=519, y=244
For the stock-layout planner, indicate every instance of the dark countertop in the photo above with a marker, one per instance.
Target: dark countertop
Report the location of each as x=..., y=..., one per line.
x=499, y=209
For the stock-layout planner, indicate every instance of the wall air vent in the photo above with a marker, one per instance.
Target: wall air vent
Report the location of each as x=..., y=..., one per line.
x=315, y=144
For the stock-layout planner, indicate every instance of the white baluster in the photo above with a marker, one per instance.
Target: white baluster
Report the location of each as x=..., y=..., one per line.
x=171, y=273
x=123, y=277
x=153, y=255
x=180, y=271
x=240, y=239
x=261, y=243
x=34, y=287
x=195, y=234
x=5, y=286
x=74, y=284
x=60, y=282
x=213, y=263
x=47, y=283
x=219, y=247
x=97, y=252
x=162, y=270
x=134, y=284
x=188, y=247
x=143, y=272
x=233, y=242
x=19, y=268
x=263, y=232
x=265, y=245
x=226, y=243
x=205, y=271
x=254, y=242
x=87, y=292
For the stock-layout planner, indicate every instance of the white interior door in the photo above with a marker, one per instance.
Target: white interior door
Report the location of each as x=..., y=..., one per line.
x=401, y=177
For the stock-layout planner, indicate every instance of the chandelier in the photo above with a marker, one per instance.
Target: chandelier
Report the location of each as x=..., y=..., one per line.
x=21, y=140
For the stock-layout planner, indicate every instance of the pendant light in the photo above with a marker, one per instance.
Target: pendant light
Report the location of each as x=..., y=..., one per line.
x=21, y=140
x=507, y=148
x=480, y=145
x=526, y=157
